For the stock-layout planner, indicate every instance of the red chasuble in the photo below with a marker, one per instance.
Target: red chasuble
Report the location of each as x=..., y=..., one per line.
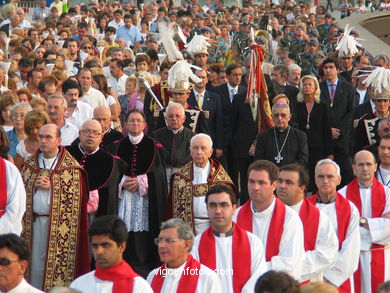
x=241, y=253
x=121, y=274
x=3, y=187
x=343, y=213
x=188, y=282
x=276, y=227
x=378, y=202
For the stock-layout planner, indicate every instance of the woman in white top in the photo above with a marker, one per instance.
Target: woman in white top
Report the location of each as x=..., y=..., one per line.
x=8, y=99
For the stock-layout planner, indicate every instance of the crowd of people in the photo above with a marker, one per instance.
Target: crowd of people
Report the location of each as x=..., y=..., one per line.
x=186, y=148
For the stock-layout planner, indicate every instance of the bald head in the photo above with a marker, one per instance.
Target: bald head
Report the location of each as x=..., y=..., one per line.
x=102, y=114
x=364, y=167
x=90, y=136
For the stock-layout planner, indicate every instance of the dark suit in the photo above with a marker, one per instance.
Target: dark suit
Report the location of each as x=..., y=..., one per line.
x=213, y=110
x=341, y=114
x=230, y=160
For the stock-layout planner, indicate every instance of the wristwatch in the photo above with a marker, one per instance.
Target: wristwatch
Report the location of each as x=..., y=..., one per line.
x=363, y=221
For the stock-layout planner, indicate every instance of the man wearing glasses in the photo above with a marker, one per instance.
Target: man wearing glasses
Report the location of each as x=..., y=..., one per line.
x=55, y=222
x=14, y=256
x=180, y=271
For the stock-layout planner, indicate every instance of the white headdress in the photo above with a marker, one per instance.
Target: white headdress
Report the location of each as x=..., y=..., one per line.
x=198, y=45
x=380, y=80
x=178, y=77
x=347, y=44
x=167, y=31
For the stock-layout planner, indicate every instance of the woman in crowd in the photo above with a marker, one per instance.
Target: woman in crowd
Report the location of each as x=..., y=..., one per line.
x=131, y=99
x=7, y=100
x=4, y=146
x=214, y=71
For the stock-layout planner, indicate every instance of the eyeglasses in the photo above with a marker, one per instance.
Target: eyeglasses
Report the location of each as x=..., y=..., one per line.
x=166, y=240
x=47, y=137
x=381, y=100
x=90, y=131
x=282, y=115
x=222, y=205
x=87, y=48
x=5, y=262
x=21, y=116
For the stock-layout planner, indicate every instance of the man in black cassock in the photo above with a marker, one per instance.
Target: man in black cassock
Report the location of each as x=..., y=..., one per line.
x=282, y=144
x=104, y=170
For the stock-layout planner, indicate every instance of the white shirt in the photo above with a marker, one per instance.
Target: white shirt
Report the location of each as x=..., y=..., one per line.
x=88, y=283
x=201, y=219
x=119, y=85
x=81, y=113
x=116, y=25
x=324, y=255
x=230, y=88
x=69, y=133
x=208, y=280
x=362, y=94
x=94, y=98
x=291, y=249
x=196, y=93
x=24, y=287
x=224, y=261
x=11, y=221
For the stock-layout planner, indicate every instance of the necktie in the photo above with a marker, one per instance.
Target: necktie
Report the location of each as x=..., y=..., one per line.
x=199, y=100
x=233, y=92
x=332, y=93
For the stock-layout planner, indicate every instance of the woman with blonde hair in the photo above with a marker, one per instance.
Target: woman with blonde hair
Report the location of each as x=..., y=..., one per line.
x=313, y=117
x=319, y=287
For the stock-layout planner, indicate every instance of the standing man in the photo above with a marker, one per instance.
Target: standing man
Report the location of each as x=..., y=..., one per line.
x=339, y=95
x=266, y=216
x=373, y=202
x=320, y=239
x=55, y=222
x=102, y=114
x=118, y=79
x=282, y=144
x=91, y=96
x=227, y=247
x=130, y=33
x=383, y=173
x=345, y=220
x=34, y=76
x=108, y=236
x=190, y=184
x=12, y=198
x=178, y=262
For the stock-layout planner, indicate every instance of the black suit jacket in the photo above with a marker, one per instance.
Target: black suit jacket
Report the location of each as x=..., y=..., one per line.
x=223, y=92
x=213, y=111
x=291, y=92
x=341, y=113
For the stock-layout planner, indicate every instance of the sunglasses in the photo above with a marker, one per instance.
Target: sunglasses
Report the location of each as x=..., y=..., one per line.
x=5, y=262
x=87, y=48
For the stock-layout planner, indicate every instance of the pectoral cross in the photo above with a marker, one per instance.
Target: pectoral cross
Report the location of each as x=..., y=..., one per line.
x=278, y=158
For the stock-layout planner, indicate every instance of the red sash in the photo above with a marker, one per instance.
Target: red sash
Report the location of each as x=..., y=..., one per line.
x=343, y=213
x=276, y=227
x=121, y=274
x=378, y=201
x=310, y=217
x=241, y=254
x=3, y=187
x=187, y=282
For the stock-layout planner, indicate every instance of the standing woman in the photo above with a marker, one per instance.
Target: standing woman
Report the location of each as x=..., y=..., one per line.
x=313, y=117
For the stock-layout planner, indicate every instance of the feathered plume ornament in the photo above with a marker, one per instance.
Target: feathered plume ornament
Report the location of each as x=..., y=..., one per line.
x=347, y=44
x=179, y=74
x=198, y=44
x=380, y=80
x=167, y=31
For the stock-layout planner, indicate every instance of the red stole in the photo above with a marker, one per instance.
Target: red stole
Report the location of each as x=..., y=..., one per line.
x=343, y=213
x=241, y=254
x=276, y=227
x=3, y=187
x=310, y=217
x=378, y=201
x=187, y=283
x=121, y=274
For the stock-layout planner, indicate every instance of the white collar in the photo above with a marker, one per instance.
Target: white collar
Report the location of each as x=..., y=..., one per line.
x=268, y=210
x=136, y=139
x=196, y=92
x=199, y=169
x=230, y=88
x=176, y=131
x=91, y=153
x=297, y=207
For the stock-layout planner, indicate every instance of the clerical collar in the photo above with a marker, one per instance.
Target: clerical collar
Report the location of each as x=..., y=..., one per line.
x=91, y=153
x=136, y=139
x=176, y=131
x=281, y=130
x=364, y=187
x=199, y=169
x=224, y=235
x=319, y=200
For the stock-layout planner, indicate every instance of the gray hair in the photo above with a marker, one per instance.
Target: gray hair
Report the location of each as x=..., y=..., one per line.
x=202, y=135
x=293, y=67
x=20, y=105
x=329, y=161
x=184, y=231
x=58, y=96
x=281, y=105
x=172, y=105
x=383, y=57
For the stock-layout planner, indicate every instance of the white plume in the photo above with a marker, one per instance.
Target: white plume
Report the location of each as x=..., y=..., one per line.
x=379, y=79
x=167, y=30
x=181, y=71
x=347, y=44
x=197, y=44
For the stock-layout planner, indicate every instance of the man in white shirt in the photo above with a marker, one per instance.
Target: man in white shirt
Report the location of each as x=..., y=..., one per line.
x=108, y=236
x=277, y=225
x=180, y=271
x=320, y=239
x=118, y=79
x=237, y=255
x=91, y=96
x=56, y=106
x=373, y=202
x=12, y=198
x=14, y=257
x=77, y=112
x=118, y=19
